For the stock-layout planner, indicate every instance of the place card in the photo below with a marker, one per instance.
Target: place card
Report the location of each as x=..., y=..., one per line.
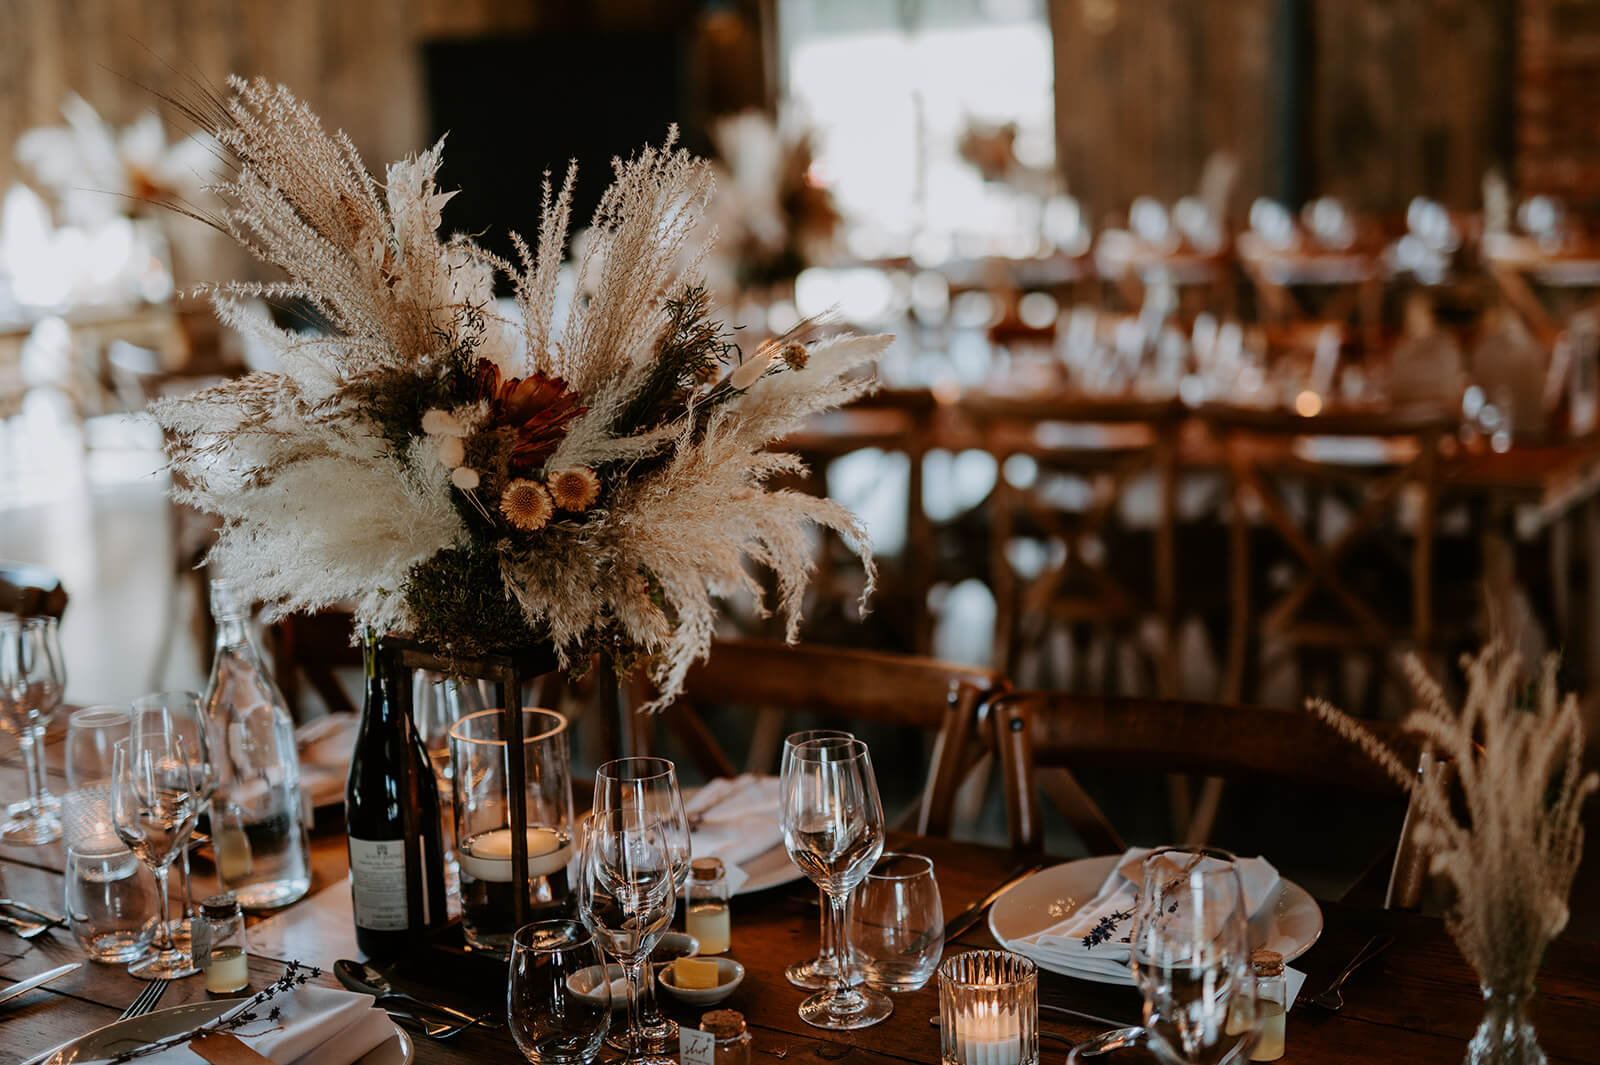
x=696, y=1047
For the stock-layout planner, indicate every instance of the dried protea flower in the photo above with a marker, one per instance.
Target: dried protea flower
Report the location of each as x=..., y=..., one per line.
x=575, y=489
x=795, y=355
x=526, y=504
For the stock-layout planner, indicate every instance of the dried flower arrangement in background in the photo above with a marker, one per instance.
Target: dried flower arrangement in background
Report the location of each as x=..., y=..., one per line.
x=773, y=216
x=486, y=480
x=1517, y=751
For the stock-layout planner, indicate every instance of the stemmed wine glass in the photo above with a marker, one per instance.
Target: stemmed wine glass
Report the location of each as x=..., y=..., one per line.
x=649, y=787
x=1191, y=957
x=626, y=897
x=180, y=713
x=821, y=971
x=833, y=829
x=32, y=679
x=153, y=808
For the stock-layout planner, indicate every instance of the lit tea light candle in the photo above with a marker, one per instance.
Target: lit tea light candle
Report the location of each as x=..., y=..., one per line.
x=988, y=1009
x=488, y=856
x=988, y=1036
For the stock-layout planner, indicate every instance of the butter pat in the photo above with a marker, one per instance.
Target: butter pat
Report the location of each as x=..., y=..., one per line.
x=695, y=974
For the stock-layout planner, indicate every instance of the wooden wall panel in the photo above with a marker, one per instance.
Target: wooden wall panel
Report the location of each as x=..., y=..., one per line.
x=1410, y=97
x=1147, y=89
x=1406, y=96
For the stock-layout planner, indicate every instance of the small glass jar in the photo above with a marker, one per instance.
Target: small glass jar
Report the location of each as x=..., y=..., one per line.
x=1272, y=1004
x=733, y=1038
x=707, y=918
x=218, y=946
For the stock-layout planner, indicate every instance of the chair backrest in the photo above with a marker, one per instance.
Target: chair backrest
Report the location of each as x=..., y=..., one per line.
x=1041, y=736
x=29, y=591
x=313, y=648
x=1384, y=457
x=776, y=679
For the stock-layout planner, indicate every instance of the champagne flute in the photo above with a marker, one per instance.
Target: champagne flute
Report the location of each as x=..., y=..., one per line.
x=154, y=808
x=648, y=786
x=833, y=829
x=1191, y=957
x=819, y=972
x=180, y=713
x=626, y=896
x=32, y=678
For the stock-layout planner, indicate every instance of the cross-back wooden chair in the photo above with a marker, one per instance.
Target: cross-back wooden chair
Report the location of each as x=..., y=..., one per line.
x=1041, y=736
x=1368, y=588
x=27, y=591
x=941, y=699
x=1311, y=286
x=312, y=649
x=1111, y=444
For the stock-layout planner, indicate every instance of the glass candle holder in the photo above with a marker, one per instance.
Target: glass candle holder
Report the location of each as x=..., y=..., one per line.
x=988, y=1009
x=480, y=768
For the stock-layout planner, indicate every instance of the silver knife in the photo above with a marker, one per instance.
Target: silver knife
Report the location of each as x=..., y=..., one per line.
x=974, y=913
x=34, y=981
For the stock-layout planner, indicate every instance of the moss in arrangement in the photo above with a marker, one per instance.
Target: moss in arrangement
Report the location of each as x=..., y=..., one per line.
x=461, y=606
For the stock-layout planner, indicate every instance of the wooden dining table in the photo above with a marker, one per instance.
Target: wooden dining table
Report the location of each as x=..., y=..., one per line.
x=1417, y=1003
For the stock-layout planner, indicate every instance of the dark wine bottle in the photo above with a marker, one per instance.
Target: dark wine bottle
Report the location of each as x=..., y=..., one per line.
x=390, y=780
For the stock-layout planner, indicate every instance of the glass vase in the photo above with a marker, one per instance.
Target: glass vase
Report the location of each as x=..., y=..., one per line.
x=1505, y=1037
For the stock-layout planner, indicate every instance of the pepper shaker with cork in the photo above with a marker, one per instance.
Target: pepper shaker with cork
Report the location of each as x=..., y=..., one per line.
x=708, y=918
x=217, y=944
x=1271, y=1004
x=732, y=1035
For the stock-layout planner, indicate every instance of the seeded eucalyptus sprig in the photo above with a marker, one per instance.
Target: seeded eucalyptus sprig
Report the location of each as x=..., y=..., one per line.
x=294, y=975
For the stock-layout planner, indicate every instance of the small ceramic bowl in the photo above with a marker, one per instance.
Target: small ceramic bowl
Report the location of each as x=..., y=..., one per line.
x=672, y=946
x=729, y=975
x=585, y=983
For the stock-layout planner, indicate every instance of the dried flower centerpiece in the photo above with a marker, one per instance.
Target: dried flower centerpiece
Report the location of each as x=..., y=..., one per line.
x=485, y=480
x=1512, y=852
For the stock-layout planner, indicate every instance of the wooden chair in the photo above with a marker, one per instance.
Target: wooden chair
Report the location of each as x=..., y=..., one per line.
x=311, y=649
x=29, y=591
x=1041, y=736
x=1092, y=587
x=1367, y=589
x=776, y=679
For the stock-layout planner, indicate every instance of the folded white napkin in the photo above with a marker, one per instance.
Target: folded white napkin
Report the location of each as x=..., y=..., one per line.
x=734, y=818
x=1075, y=944
x=315, y=1026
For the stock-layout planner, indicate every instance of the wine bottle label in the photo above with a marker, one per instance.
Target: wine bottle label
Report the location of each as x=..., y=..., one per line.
x=378, y=883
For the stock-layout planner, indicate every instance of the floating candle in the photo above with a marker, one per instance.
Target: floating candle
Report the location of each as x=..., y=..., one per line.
x=488, y=856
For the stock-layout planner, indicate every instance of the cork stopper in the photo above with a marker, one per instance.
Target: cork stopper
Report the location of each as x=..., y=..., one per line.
x=221, y=907
x=706, y=869
x=724, y=1024
x=1267, y=962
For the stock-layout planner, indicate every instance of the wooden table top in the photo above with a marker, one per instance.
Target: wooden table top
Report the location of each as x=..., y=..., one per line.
x=1418, y=1003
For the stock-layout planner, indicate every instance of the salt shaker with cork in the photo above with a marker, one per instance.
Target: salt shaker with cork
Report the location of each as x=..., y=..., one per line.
x=217, y=944
x=708, y=919
x=733, y=1037
x=1271, y=1004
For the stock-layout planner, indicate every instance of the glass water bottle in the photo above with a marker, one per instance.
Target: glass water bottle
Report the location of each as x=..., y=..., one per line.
x=256, y=825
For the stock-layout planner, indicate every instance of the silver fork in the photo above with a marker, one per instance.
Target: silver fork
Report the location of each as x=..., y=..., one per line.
x=1332, y=998
x=146, y=1000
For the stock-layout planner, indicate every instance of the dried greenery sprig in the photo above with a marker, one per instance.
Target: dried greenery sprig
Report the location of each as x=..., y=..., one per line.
x=486, y=477
x=1517, y=752
x=246, y=1013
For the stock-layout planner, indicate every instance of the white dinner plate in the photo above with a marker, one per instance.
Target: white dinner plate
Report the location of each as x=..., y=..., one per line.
x=1288, y=923
x=770, y=869
x=107, y=1042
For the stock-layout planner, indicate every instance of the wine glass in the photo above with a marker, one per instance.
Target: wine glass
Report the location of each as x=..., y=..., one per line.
x=819, y=972
x=833, y=829
x=626, y=896
x=649, y=786
x=1191, y=957
x=32, y=678
x=180, y=713
x=153, y=807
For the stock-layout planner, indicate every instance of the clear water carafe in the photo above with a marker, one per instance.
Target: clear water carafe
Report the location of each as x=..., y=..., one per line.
x=256, y=826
